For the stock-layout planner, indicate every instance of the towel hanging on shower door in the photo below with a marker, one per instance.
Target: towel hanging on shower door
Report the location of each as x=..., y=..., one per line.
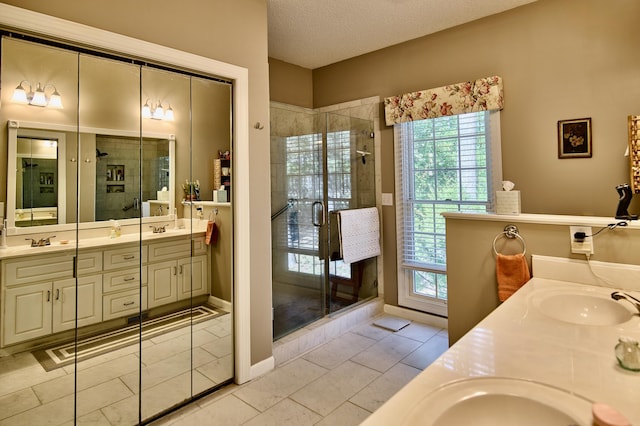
x=359, y=233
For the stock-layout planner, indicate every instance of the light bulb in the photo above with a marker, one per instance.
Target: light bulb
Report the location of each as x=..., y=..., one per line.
x=158, y=114
x=168, y=115
x=56, y=100
x=146, y=110
x=39, y=99
x=20, y=95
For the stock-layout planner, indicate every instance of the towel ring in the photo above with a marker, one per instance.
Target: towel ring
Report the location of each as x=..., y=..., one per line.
x=510, y=232
x=213, y=214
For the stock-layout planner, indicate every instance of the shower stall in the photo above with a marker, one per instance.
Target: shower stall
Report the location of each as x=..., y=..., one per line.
x=320, y=163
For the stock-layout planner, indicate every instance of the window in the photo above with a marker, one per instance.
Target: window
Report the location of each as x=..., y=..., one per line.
x=444, y=164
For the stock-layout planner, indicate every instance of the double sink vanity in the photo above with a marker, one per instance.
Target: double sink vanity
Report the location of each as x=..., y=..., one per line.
x=544, y=356
x=117, y=278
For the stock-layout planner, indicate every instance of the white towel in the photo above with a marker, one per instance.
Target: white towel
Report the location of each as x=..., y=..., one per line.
x=359, y=232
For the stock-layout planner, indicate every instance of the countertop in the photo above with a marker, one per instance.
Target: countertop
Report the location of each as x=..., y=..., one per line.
x=518, y=341
x=60, y=245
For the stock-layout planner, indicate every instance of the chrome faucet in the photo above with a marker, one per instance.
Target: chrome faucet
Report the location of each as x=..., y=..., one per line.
x=158, y=229
x=617, y=295
x=41, y=242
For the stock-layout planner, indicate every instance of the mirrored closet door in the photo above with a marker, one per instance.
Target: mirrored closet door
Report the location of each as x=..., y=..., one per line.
x=119, y=219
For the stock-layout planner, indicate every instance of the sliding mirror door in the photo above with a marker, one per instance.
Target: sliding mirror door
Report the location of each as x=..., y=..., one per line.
x=39, y=295
x=109, y=358
x=166, y=356
x=210, y=163
x=129, y=311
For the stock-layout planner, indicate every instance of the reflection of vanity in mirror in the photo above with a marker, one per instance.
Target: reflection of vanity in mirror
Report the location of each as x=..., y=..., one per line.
x=116, y=180
x=95, y=182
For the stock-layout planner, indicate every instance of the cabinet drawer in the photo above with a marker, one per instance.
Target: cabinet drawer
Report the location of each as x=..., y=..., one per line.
x=123, y=303
x=199, y=247
x=46, y=268
x=124, y=280
x=169, y=250
x=89, y=263
x=124, y=257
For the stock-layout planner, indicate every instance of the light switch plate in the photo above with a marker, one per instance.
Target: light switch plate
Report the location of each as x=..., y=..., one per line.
x=387, y=198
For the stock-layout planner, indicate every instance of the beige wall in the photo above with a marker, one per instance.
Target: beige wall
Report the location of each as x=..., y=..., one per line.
x=560, y=59
x=290, y=84
x=230, y=31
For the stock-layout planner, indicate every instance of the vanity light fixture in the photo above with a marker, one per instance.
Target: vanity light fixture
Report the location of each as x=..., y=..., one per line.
x=157, y=111
x=37, y=97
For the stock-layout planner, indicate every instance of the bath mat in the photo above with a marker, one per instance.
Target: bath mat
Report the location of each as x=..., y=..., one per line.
x=391, y=323
x=89, y=347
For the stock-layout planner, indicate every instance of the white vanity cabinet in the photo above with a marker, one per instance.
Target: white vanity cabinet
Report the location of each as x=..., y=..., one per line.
x=39, y=294
x=174, y=274
x=118, y=280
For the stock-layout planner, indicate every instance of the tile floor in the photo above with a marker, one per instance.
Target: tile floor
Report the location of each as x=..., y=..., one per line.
x=340, y=382
x=108, y=385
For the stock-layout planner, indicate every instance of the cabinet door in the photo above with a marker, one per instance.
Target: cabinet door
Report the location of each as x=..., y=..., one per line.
x=193, y=279
x=27, y=312
x=162, y=283
x=89, y=302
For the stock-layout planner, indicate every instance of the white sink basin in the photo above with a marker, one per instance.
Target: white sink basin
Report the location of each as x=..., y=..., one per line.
x=579, y=308
x=491, y=401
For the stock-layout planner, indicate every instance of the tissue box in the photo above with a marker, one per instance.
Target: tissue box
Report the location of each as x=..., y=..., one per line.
x=162, y=195
x=220, y=196
x=508, y=202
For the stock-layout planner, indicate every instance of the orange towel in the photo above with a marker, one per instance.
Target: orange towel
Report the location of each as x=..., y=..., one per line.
x=512, y=272
x=211, y=236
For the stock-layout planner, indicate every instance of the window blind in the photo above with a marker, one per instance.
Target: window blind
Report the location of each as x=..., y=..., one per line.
x=443, y=165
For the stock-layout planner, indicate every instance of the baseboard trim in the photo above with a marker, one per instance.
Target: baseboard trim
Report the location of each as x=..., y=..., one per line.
x=220, y=303
x=262, y=367
x=412, y=315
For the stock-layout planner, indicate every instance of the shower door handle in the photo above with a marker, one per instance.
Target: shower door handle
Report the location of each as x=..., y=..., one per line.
x=314, y=214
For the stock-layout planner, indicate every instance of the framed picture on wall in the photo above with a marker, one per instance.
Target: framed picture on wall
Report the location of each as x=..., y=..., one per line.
x=574, y=138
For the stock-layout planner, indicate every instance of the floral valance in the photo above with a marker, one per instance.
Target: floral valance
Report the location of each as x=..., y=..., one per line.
x=484, y=94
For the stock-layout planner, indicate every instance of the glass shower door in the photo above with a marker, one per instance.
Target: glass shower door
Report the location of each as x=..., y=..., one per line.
x=298, y=224
x=321, y=163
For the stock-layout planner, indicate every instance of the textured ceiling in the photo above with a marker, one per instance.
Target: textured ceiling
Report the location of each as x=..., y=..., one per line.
x=314, y=33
